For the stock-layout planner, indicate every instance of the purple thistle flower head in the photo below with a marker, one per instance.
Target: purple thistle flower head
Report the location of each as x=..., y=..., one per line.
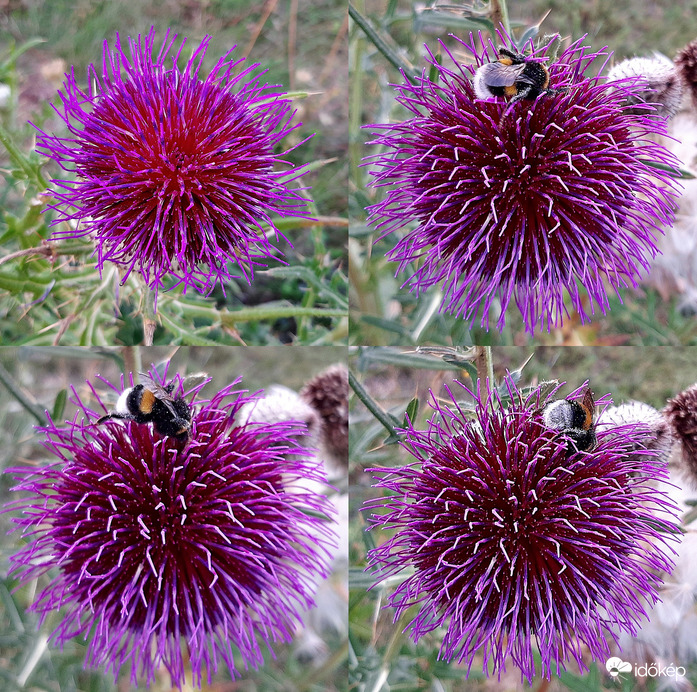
x=517, y=542
x=522, y=201
x=174, y=172
x=153, y=541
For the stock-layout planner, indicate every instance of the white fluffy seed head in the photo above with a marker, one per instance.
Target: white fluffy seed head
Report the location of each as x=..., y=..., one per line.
x=659, y=84
x=660, y=438
x=282, y=404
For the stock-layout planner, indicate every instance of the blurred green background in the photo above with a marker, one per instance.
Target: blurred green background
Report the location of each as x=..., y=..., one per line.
x=385, y=314
x=39, y=377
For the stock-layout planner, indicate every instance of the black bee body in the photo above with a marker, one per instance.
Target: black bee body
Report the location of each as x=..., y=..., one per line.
x=513, y=76
x=150, y=402
x=574, y=420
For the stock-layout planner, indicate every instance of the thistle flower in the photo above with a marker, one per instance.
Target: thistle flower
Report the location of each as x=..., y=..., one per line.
x=521, y=202
x=154, y=542
x=175, y=173
x=515, y=543
x=658, y=84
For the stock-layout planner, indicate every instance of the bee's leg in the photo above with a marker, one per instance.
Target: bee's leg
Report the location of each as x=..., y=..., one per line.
x=522, y=94
x=518, y=97
x=112, y=415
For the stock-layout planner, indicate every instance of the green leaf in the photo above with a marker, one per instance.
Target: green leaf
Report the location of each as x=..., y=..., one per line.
x=433, y=71
x=14, y=53
x=411, y=412
x=59, y=405
x=531, y=32
x=29, y=167
x=360, y=579
x=309, y=277
x=448, y=20
x=675, y=171
x=387, y=325
x=527, y=35
x=404, y=359
x=591, y=682
x=517, y=373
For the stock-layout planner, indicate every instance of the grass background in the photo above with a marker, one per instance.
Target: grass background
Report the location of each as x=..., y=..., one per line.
x=385, y=314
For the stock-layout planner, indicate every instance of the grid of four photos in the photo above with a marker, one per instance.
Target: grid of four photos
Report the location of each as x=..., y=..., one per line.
x=348, y=346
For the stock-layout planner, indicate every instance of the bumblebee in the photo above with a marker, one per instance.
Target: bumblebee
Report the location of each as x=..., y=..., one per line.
x=514, y=76
x=150, y=402
x=574, y=419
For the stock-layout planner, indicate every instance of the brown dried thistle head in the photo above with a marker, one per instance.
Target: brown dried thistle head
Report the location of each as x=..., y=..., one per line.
x=681, y=414
x=327, y=393
x=686, y=63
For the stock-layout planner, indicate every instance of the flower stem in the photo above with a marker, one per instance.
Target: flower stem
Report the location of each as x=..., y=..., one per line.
x=149, y=318
x=499, y=15
x=484, y=363
x=25, y=399
x=46, y=250
x=407, y=69
x=384, y=418
x=132, y=361
x=230, y=319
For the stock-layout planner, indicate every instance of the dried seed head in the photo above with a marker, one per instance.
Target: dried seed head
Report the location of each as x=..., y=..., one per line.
x=327, y=393
x=281, y=404
x=686, y=62
x=658, y=83
x=658, y=433
x=681, y=414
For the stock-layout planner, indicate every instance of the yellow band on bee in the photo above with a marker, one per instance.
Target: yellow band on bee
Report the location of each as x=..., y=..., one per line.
x=147, y=401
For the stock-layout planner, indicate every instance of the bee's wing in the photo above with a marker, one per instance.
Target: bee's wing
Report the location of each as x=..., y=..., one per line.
x=500, y=75
x=588, y=402
x=193, y=380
